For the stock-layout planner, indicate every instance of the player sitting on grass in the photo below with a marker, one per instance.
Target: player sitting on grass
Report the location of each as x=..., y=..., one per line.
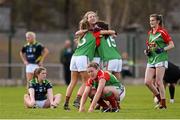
x=107, y=88
x=40, y=92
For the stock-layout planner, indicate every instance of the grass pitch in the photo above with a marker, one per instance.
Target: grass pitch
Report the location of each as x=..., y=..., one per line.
x=138, y=104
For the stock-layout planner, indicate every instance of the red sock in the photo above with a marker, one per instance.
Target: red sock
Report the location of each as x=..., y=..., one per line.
x=158, y=97
x=67, y=99
x=112, y=100
x=163, y=102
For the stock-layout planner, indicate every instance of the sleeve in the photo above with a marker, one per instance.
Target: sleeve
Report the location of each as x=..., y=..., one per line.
x=89, y=82
x=31, y=85
x=40, y=47
x=103, y=75
x=49, y=85
x=165, y=35
x=23, y=50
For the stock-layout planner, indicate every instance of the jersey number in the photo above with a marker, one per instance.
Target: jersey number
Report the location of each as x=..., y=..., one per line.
x=82, y=42
x=111, y=42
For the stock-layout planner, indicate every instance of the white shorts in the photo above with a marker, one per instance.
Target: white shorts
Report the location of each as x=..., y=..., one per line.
x=122, y=93
x=79, y=63
x=97, y=60
x=113, y=65
x=31, y=67
x=40, y=103
x=160, y=64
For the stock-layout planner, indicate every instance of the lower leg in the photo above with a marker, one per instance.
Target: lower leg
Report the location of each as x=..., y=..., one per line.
x=171, y=91
x=57, y=99
x=112, y=99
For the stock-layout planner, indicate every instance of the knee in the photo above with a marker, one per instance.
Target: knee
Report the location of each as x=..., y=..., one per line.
x=159, y=83
x=25, y=96
x=106, y=90
x=147, y=82
x=58, y=96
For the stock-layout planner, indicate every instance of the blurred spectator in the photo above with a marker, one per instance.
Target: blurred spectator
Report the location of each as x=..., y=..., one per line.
x=65, y=59
x=126, y=64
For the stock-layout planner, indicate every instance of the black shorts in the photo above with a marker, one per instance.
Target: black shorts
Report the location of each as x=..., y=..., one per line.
x=172, y=74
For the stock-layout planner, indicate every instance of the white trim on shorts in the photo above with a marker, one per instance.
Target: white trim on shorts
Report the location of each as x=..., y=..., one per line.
x=40, y=103
x=114, y=65
x=160, y=64
x=122, y=93
x=31, y=67
x=79, y=63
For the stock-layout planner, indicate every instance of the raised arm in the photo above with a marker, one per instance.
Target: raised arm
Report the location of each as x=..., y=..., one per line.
x=80, y=32
x=97, y=95
x=107, y=32
x=84, y=98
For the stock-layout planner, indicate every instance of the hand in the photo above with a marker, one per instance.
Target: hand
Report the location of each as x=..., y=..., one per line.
x=90, y=110
x=33, y=103
x=159, y=50
x=52, y=106
x=81, y=109
x=147, y=52
x=26, y=62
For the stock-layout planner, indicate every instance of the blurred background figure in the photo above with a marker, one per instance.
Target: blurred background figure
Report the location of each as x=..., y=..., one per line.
x=65, y=59
x=126, y=65
x=32, y=54
x=171, y=77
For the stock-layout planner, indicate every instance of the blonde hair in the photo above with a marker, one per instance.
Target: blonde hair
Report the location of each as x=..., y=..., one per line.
x=30, y=33
x=84, y=24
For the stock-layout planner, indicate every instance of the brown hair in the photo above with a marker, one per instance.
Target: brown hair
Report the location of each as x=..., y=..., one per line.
x=158, y=17
x=37, y=71
x=94, y=65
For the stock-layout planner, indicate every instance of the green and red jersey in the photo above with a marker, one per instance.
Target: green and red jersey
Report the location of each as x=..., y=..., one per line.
x=111, y=80
x=86, y=46
x=107, y=48
x=159, y=39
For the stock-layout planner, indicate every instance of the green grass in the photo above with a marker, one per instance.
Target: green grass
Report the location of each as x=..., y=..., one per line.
x=137, y=104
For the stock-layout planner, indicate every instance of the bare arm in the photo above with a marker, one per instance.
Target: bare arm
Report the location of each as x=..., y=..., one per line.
x=31, y=94
x=107, y=32
x=97, y=95
x=44, y=55
x=23, y=58
x=80, y=32
x=84, y=98
x=50, y=95
x=169, y=46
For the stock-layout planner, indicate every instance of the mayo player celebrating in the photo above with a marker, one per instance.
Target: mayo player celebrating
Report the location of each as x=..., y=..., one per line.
x=158, y=43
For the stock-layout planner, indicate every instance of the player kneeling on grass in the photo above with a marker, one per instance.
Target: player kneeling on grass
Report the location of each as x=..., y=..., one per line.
x=40, y=92
x=107, y=88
